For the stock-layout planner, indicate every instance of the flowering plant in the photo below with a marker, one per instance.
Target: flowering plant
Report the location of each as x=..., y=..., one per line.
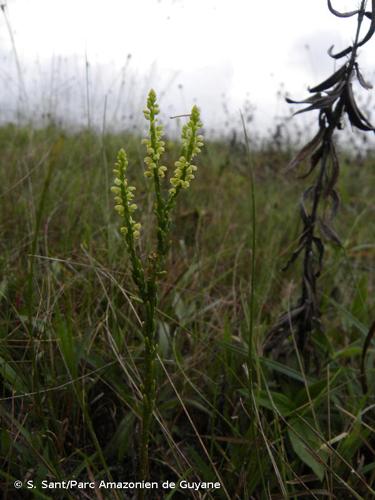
x=146, y=277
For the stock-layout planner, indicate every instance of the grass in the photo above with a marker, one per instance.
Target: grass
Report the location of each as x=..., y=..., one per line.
x=71, y=344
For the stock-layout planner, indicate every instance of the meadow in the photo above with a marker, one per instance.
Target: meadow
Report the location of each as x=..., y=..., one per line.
x=71, y=348
x=215, y=339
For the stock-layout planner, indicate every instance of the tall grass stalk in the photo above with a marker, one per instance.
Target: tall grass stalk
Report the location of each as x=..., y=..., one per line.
x=251, y=301
x=22, y=90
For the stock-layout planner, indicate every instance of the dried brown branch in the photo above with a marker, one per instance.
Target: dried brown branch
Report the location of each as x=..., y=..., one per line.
x=334, y=99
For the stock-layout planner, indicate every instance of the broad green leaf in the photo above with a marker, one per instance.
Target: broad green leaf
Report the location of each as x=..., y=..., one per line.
x=282, y=403
x=284, y=369
x=308, y=447
x=349, y=446
x=348, y=352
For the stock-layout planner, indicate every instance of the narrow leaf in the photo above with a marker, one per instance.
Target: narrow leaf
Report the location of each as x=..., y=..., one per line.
x=332, y=80
x=303, y=211
x=341, y=54
x=335, y=202
x=294, y=255
x=335, y=170
x=309, y=100
x=321, y=103
x=371, y=30
x=356, y=117
x=307, y=447
x=329, y=233
x=306, y=150
x=315, y=157
x=320, y=249
x=361, y=80
x=341, y=14
x=366, y=345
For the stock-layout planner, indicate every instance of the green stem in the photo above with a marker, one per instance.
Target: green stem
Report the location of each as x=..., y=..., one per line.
x=149, y=387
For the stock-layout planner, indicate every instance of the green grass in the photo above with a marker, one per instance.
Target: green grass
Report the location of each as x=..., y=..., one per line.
x=71, y=343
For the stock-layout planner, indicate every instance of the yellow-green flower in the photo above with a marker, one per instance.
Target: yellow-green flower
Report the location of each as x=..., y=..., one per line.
x=155, y=146
x=124, y=195
x=192, y=143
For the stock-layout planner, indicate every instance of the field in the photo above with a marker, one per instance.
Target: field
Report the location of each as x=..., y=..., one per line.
x=228, y=408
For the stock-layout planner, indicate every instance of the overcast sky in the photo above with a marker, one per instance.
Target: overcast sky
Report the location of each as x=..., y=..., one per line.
x=221, y=54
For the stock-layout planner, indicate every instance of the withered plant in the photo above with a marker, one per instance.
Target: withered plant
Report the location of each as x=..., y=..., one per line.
x=335, y=101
